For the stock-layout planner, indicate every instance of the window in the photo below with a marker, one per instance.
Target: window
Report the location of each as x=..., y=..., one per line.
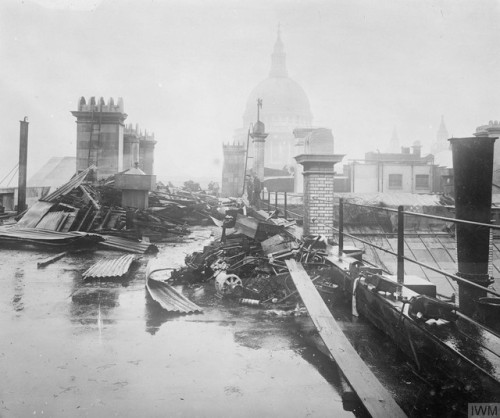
x=422, y=181
x=395, y=181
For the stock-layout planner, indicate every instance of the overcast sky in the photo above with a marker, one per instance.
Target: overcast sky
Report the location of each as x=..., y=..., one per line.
x=186, y=68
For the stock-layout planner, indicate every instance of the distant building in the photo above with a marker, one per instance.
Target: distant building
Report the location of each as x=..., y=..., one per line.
x=233, y=169
x=441, y=143
x=406, y=172
x=54, y=173
x=441, y=147
x=9, y=196
x=100, y=139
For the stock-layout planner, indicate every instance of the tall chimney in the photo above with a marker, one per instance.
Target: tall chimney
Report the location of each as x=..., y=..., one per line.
x=23, y=164
x=473, y=170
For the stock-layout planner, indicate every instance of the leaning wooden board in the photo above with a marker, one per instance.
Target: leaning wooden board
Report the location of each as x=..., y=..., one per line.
x=376, y=399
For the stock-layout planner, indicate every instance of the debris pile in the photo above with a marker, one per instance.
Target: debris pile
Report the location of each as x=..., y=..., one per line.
x=248, y=263
x=83, y=210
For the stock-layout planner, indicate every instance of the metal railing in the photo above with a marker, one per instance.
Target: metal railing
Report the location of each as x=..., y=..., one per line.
x=266, y=201
x=401, y=258
x=400, y=254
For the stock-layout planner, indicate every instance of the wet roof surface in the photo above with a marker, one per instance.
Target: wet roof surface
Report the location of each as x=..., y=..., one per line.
x=436, y=250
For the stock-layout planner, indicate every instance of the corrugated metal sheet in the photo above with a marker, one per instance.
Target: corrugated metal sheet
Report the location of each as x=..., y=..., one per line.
x=110, y=267
x=43, y=236
x=168, y=298
x=138, y=247
x=34, y=214
x=68, y=222
x=69, y=186
x=52, y=220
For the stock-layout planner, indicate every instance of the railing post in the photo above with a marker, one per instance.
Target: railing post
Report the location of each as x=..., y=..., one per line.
x=285, y=204
x=268, y=200
x=401, y=245
x=341, y=225
x=275, y=200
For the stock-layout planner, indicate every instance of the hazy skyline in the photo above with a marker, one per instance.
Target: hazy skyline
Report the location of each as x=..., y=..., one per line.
x=185, y=70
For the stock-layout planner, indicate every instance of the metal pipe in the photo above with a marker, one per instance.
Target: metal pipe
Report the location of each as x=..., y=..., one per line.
x=286, y=205
x=401, y=245
x=473, y=171
x=246, y=162
x=341, y=226
x=23, y=165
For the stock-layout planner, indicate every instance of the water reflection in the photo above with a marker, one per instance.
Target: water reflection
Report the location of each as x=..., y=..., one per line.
x=93, y=301
x=155, y=315
x=17, y=298
x=329, y=370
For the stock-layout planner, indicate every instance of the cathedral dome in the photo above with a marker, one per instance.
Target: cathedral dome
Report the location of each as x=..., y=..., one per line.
x=283, y=100
x=283, y=106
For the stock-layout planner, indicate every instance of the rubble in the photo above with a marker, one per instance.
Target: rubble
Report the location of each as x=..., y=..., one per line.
x=248, y=263
x=82, y=205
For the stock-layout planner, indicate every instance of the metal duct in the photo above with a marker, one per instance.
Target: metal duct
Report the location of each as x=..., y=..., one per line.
x=473, y=170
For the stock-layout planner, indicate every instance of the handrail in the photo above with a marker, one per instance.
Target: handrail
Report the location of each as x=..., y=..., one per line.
x=425, y=215
x=444, y=273
x=400, y=254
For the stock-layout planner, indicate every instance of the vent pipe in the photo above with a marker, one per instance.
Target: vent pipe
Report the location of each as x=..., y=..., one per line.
x=473, y=170
x=23, y=165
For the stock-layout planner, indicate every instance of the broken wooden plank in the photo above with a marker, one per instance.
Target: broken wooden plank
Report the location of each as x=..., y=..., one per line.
x=89, y=197
x=49, y=260
x=376, y=399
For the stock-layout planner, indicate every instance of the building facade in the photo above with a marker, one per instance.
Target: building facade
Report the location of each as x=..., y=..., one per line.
x=405, y=172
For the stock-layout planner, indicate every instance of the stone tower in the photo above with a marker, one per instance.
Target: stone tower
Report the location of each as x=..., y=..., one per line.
x=130, y=146
x=233, y=169
x=259, y=140
x=99, y=138
x=146, y=152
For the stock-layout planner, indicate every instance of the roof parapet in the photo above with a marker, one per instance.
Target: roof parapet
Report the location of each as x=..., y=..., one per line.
x=100, y=105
